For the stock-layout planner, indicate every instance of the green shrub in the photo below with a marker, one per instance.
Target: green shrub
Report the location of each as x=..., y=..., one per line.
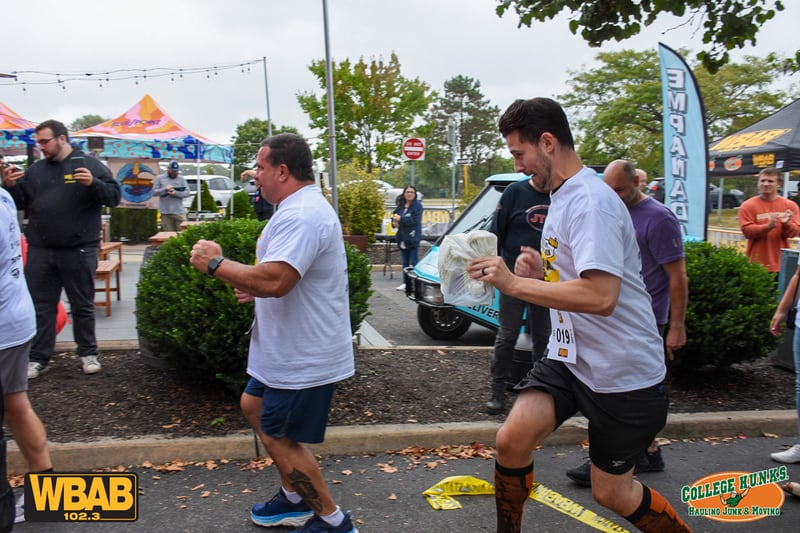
x=240, y=206
x=359, y=280
x=133, y=224
x=207, y=201
x=361, y=206
x=731, y=302
x=193, y=322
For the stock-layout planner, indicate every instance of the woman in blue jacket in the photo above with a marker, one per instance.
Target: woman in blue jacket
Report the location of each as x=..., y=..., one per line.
x=407, y=218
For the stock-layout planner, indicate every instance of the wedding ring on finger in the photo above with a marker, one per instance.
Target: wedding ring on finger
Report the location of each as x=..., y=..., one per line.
x=483, y=271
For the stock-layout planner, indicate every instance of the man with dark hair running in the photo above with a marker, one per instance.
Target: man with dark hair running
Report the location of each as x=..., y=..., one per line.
x=605, y=357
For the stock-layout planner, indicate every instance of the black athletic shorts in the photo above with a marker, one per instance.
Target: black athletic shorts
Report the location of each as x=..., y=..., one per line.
x=621, y=425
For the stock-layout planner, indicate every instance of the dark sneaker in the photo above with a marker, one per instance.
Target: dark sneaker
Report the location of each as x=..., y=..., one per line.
x=651, y=462
x=280, y=512
x=318, y=525
x=495, y=405
x=582, y=475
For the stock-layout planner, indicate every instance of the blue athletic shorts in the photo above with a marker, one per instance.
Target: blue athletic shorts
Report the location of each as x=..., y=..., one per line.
x=621, y=425
x=299, y=415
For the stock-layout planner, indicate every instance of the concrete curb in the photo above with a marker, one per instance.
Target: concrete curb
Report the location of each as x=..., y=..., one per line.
x=350, y=440
x=353, y=440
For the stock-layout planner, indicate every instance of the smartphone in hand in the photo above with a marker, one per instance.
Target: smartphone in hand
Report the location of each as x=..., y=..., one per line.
x=76, y=162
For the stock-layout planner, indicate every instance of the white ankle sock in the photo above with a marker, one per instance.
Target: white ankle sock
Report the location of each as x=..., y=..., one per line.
x=335, y=518
x=293, y=497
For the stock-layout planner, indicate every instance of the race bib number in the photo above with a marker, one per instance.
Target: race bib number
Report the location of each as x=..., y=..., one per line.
x=562, y=338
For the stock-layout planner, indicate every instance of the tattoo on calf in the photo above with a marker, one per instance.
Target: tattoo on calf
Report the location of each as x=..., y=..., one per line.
x=302, y=485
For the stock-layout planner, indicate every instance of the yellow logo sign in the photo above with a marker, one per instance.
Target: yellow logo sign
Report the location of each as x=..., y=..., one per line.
x=736, y=496
x=75, y=497
x=751, y=139
x=764, y=160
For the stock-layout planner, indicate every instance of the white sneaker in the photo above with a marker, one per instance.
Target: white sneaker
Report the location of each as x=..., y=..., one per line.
x=401, y=287
x=90, y=364
x=36, y=369
x=20, y=508
x=792, y=455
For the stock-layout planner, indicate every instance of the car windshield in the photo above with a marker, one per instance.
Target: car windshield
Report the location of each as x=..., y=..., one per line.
x=479, y=214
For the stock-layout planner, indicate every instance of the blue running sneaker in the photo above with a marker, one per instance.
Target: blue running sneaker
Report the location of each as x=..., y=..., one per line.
x=280, y=512
x=318, y=525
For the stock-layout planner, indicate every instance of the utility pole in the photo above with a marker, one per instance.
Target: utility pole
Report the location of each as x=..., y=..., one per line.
x=452, y=137
x=331, y=115
x=266, y=91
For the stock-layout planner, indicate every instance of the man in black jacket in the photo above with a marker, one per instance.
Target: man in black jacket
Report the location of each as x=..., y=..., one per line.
x=63, y=195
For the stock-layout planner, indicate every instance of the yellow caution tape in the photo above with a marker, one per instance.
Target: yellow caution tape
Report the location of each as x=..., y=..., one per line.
x=440, y=495
x=552, y=499
x=441, y=498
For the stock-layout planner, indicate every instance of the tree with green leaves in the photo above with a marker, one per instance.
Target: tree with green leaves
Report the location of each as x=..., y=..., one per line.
x=248, y=139
x=375, y=107
x=617, y=112
x=86, y=121
x=727, y=24
x=475, y=121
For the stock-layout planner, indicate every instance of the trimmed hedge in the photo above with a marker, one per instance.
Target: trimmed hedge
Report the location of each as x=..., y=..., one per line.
x=240, y=206
x=731, y=302
x=193, y=322
x=133, y=224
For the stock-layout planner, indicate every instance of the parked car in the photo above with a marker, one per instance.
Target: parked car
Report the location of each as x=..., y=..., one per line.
x=730, y=199
x=250, y=188
x=392, y=193
x=656, y=189
x=436, y=318
x=220, y=187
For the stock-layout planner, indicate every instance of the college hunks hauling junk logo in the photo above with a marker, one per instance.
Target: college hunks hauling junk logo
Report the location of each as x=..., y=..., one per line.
x=736, y=496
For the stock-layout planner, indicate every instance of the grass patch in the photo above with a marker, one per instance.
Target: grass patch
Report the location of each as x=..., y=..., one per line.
x=729, y=218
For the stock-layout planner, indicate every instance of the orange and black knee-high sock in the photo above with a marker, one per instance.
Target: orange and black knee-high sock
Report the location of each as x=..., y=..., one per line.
x=511, y=489
x=655, y=514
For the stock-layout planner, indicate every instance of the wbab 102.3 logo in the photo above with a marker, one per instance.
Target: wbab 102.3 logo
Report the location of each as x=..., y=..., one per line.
x=81, y=497
x=737, y=496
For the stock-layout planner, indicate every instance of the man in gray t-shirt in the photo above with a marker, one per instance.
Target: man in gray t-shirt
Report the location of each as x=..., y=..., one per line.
x=171, y=189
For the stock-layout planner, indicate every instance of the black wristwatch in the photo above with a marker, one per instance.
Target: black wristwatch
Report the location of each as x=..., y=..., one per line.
x=213, y=265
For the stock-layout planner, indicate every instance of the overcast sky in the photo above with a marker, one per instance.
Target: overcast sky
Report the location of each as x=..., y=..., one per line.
x=435, y=40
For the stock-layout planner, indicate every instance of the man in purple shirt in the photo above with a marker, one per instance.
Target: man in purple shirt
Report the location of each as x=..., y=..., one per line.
x=664, y=273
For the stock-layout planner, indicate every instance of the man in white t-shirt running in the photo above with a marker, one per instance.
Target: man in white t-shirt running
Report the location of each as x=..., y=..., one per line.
x=301, y=343
x=605, y=357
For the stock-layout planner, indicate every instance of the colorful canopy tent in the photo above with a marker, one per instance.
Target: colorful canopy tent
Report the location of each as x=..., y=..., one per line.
x=147, y=131
x=770, y=142
x=16, y=133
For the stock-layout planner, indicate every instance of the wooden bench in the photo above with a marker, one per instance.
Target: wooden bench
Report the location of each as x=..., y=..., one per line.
x=103, y=274
x=159, y=238
x=108, y=247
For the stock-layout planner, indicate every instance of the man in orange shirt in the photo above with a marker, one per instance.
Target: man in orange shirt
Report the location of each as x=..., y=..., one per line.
x=768, y=221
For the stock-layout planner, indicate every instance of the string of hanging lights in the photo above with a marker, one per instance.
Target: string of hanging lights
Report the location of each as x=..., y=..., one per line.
x=24, y=78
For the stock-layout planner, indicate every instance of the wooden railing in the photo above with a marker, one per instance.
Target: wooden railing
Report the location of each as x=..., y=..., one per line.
x=726, y=237
x=733, y=237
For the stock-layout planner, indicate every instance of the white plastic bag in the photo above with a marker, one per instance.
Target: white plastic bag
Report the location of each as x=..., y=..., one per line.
x=455, y=253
